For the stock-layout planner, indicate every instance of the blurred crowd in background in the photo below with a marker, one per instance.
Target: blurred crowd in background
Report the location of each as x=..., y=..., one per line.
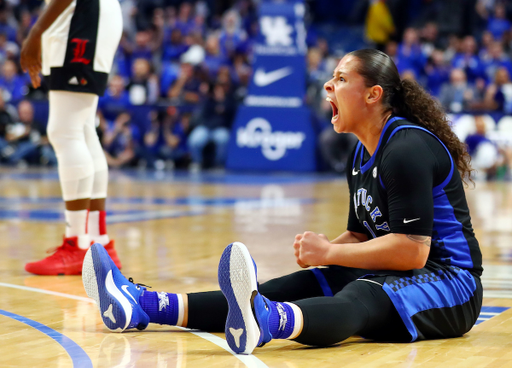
x=183, y=67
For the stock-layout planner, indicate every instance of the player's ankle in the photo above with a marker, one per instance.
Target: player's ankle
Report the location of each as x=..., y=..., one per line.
x=164, y=308
x=285, y=320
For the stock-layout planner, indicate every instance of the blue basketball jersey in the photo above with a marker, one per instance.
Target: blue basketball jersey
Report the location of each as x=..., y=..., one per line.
x=411, y=185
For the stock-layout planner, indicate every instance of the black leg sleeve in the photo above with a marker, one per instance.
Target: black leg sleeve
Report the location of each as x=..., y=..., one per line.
x=361, y=308
x=208, y=311
x=298, y=285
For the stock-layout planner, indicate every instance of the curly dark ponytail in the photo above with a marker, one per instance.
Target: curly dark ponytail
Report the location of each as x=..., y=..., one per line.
x=408, y=99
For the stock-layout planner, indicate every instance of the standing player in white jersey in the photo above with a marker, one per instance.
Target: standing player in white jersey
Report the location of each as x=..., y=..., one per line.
x=73, y=44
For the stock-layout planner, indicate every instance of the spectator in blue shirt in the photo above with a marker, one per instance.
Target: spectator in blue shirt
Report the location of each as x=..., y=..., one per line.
x=115, y=100
x=174, y=47
x=437, y=71
x=484, y=154
x=487, y=41
x=185, y=22
x=457, y=95
x=232, y=36
x=143, y=87
x=7, y=115
x=242, y=75
x=165, y=143
x=120, y=140
x=498, y=96
x=187, y=87
x=247, y=12
x=198, y=25
x=8, y=49
x=410, y=52
x=122, y=62
x=146, y=43
x=429, y=38
x=168, y=76
x=401, y=63
x=14, y=84
x=497, y=58
x=498, y=24
x=5, y=27
x=214, y=126
x=27, y=139
x=24, y=26
x=170, y=19
x=453, y=48
x=468, y=60
x=213, y=59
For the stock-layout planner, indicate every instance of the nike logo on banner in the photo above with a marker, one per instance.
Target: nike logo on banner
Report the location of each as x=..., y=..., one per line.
x=125, y=289
x=263, y=79
x=354, y=172
x=236, y=335
x=407, y=221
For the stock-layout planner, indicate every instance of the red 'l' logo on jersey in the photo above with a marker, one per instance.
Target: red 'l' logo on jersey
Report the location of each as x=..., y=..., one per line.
x=79, y=51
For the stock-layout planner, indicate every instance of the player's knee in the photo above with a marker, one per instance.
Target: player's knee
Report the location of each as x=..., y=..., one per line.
x=58, y=138
x=52, y=134
x=100, y=184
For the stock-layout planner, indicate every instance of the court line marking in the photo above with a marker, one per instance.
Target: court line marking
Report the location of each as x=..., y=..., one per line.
x=199, y=206
x=78, y=356
x=56, y=293
x=249, y=361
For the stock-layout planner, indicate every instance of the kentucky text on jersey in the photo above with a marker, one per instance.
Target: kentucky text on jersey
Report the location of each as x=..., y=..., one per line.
x=361, y=198
x=379, y=208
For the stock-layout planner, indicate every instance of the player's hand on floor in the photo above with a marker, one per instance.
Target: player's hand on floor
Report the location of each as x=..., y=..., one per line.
x=311, y=249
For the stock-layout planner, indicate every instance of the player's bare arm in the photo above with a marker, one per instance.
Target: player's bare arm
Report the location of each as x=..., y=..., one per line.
x=350, y=237
x=422, y=239
x=346, y=237
x=30, y=55
x=389, y=252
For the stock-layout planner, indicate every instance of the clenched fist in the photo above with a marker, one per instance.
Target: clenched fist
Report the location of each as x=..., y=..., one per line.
x=311, y=249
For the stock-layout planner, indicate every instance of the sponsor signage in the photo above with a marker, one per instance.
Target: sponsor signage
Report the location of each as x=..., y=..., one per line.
x=279, y=56
x=272, y=130
x=272, y=139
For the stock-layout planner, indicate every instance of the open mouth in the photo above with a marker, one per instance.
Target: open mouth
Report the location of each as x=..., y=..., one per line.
x=334, y=109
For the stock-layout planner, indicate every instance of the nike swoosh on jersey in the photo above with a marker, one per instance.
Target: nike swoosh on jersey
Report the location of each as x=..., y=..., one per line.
x=263, y=79
x=125, y=287
x=354, y=172
x=407, y=221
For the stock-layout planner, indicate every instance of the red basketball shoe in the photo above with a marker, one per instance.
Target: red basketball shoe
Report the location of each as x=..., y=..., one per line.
x=65, y=260
x=112, y=253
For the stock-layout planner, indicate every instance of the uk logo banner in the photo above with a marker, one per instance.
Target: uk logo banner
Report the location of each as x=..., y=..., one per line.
x=279, y=56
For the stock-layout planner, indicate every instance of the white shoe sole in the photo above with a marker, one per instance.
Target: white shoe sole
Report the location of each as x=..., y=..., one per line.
x=237, y=280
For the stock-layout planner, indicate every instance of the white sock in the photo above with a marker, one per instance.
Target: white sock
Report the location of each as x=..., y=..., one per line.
x=76, y=226
x=299, y=321
x=181, y=311
x=93, y=229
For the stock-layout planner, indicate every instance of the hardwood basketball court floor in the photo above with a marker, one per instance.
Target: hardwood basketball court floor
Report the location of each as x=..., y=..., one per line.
x=170, y=230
